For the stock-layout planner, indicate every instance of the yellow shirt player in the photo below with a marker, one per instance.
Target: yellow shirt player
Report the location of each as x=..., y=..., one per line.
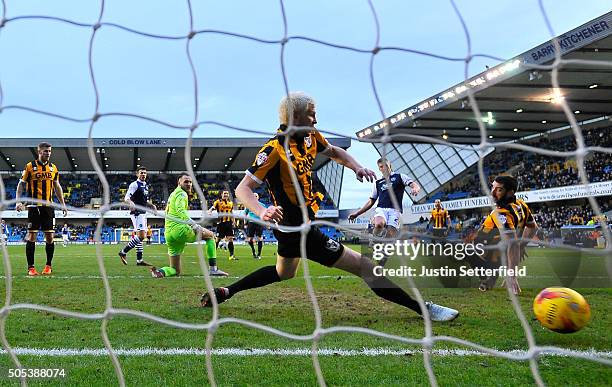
x=225, y=226
x=39, y=180
x=149, y=234
x=297, y=204
x=511, y=219
x=440, y=219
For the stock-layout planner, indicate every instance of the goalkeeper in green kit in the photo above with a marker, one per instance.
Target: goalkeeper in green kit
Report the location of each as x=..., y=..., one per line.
x=179, y=233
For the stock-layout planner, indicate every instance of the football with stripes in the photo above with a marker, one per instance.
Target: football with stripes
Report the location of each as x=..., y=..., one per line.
x=561, y=310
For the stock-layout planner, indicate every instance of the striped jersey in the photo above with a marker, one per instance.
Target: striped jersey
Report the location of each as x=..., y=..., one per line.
x=39, y=179
x=439, y=217
x=271, y=165
x=224, y=207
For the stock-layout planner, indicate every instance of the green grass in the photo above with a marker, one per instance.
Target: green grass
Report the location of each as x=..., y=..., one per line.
x=486, y=318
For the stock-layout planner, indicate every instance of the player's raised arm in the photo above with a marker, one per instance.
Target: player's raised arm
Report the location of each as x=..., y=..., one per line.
x=344, y=158
x=415, y=188
x=371, y=201
x=363, y=209
x=213, y=207
x=244, y=193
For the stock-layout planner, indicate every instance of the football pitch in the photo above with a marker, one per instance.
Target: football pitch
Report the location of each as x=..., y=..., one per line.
x=152, y=353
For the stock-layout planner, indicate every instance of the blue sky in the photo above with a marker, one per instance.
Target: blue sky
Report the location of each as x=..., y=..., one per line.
x=44, y=64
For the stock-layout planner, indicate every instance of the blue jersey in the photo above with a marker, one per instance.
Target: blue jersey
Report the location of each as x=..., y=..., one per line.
x=251, y=214
x=5, y=229
x=64, y=230
x=399, y=182
x=138, y=192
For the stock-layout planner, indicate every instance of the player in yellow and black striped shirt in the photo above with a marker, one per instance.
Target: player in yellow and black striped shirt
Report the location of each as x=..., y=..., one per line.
x=273, y=165
x=511, y=218
x=225, y=226
x=440, y=219
x=40, y=179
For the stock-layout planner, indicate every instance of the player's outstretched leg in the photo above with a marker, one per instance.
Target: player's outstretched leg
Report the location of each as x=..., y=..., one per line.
x=354, y=263
x=261, y=277
x=131, y=244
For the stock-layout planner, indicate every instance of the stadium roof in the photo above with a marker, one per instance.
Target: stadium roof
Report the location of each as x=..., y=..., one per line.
x=121, y=155
x=521, y=100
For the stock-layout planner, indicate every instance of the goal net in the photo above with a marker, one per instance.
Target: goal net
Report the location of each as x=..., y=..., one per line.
x=197, y=124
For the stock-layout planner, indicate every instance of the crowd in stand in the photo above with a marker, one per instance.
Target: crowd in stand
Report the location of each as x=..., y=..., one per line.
x=85, y=191
x=557, y=217
x=536, y=171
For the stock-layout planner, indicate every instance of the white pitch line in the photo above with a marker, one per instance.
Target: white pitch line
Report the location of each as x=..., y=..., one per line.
x=245, y=352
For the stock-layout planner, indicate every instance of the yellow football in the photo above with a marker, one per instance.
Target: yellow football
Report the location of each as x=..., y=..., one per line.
x=561, y=310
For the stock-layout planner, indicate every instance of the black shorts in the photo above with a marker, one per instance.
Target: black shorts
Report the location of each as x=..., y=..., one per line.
x=439, y=232
x=254, y=230
x=319, y=247
x=41, y=218
x=225, y=229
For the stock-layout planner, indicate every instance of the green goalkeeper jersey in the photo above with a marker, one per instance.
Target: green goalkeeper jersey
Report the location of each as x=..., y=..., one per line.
x=178, y=202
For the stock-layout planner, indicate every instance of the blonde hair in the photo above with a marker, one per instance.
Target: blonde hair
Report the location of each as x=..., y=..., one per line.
x=295, y=102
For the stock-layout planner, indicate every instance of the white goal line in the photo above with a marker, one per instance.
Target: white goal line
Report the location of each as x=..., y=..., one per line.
x=245, y=352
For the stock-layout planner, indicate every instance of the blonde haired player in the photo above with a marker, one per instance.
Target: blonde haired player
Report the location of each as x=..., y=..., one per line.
x=271, y=165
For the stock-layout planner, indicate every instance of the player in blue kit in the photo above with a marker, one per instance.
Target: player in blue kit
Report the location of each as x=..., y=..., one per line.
x=137, y=194
x=387, y=217
x=65, y=235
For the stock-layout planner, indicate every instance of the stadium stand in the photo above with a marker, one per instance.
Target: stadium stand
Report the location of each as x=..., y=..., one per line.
x=535, y=171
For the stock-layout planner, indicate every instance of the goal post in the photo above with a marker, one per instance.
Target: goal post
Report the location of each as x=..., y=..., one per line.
x=123, y=235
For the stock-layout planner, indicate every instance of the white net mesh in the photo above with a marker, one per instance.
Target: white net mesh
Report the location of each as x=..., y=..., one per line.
x=429, y=340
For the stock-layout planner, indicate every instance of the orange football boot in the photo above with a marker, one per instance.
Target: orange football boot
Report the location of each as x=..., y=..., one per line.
x=32, y=272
